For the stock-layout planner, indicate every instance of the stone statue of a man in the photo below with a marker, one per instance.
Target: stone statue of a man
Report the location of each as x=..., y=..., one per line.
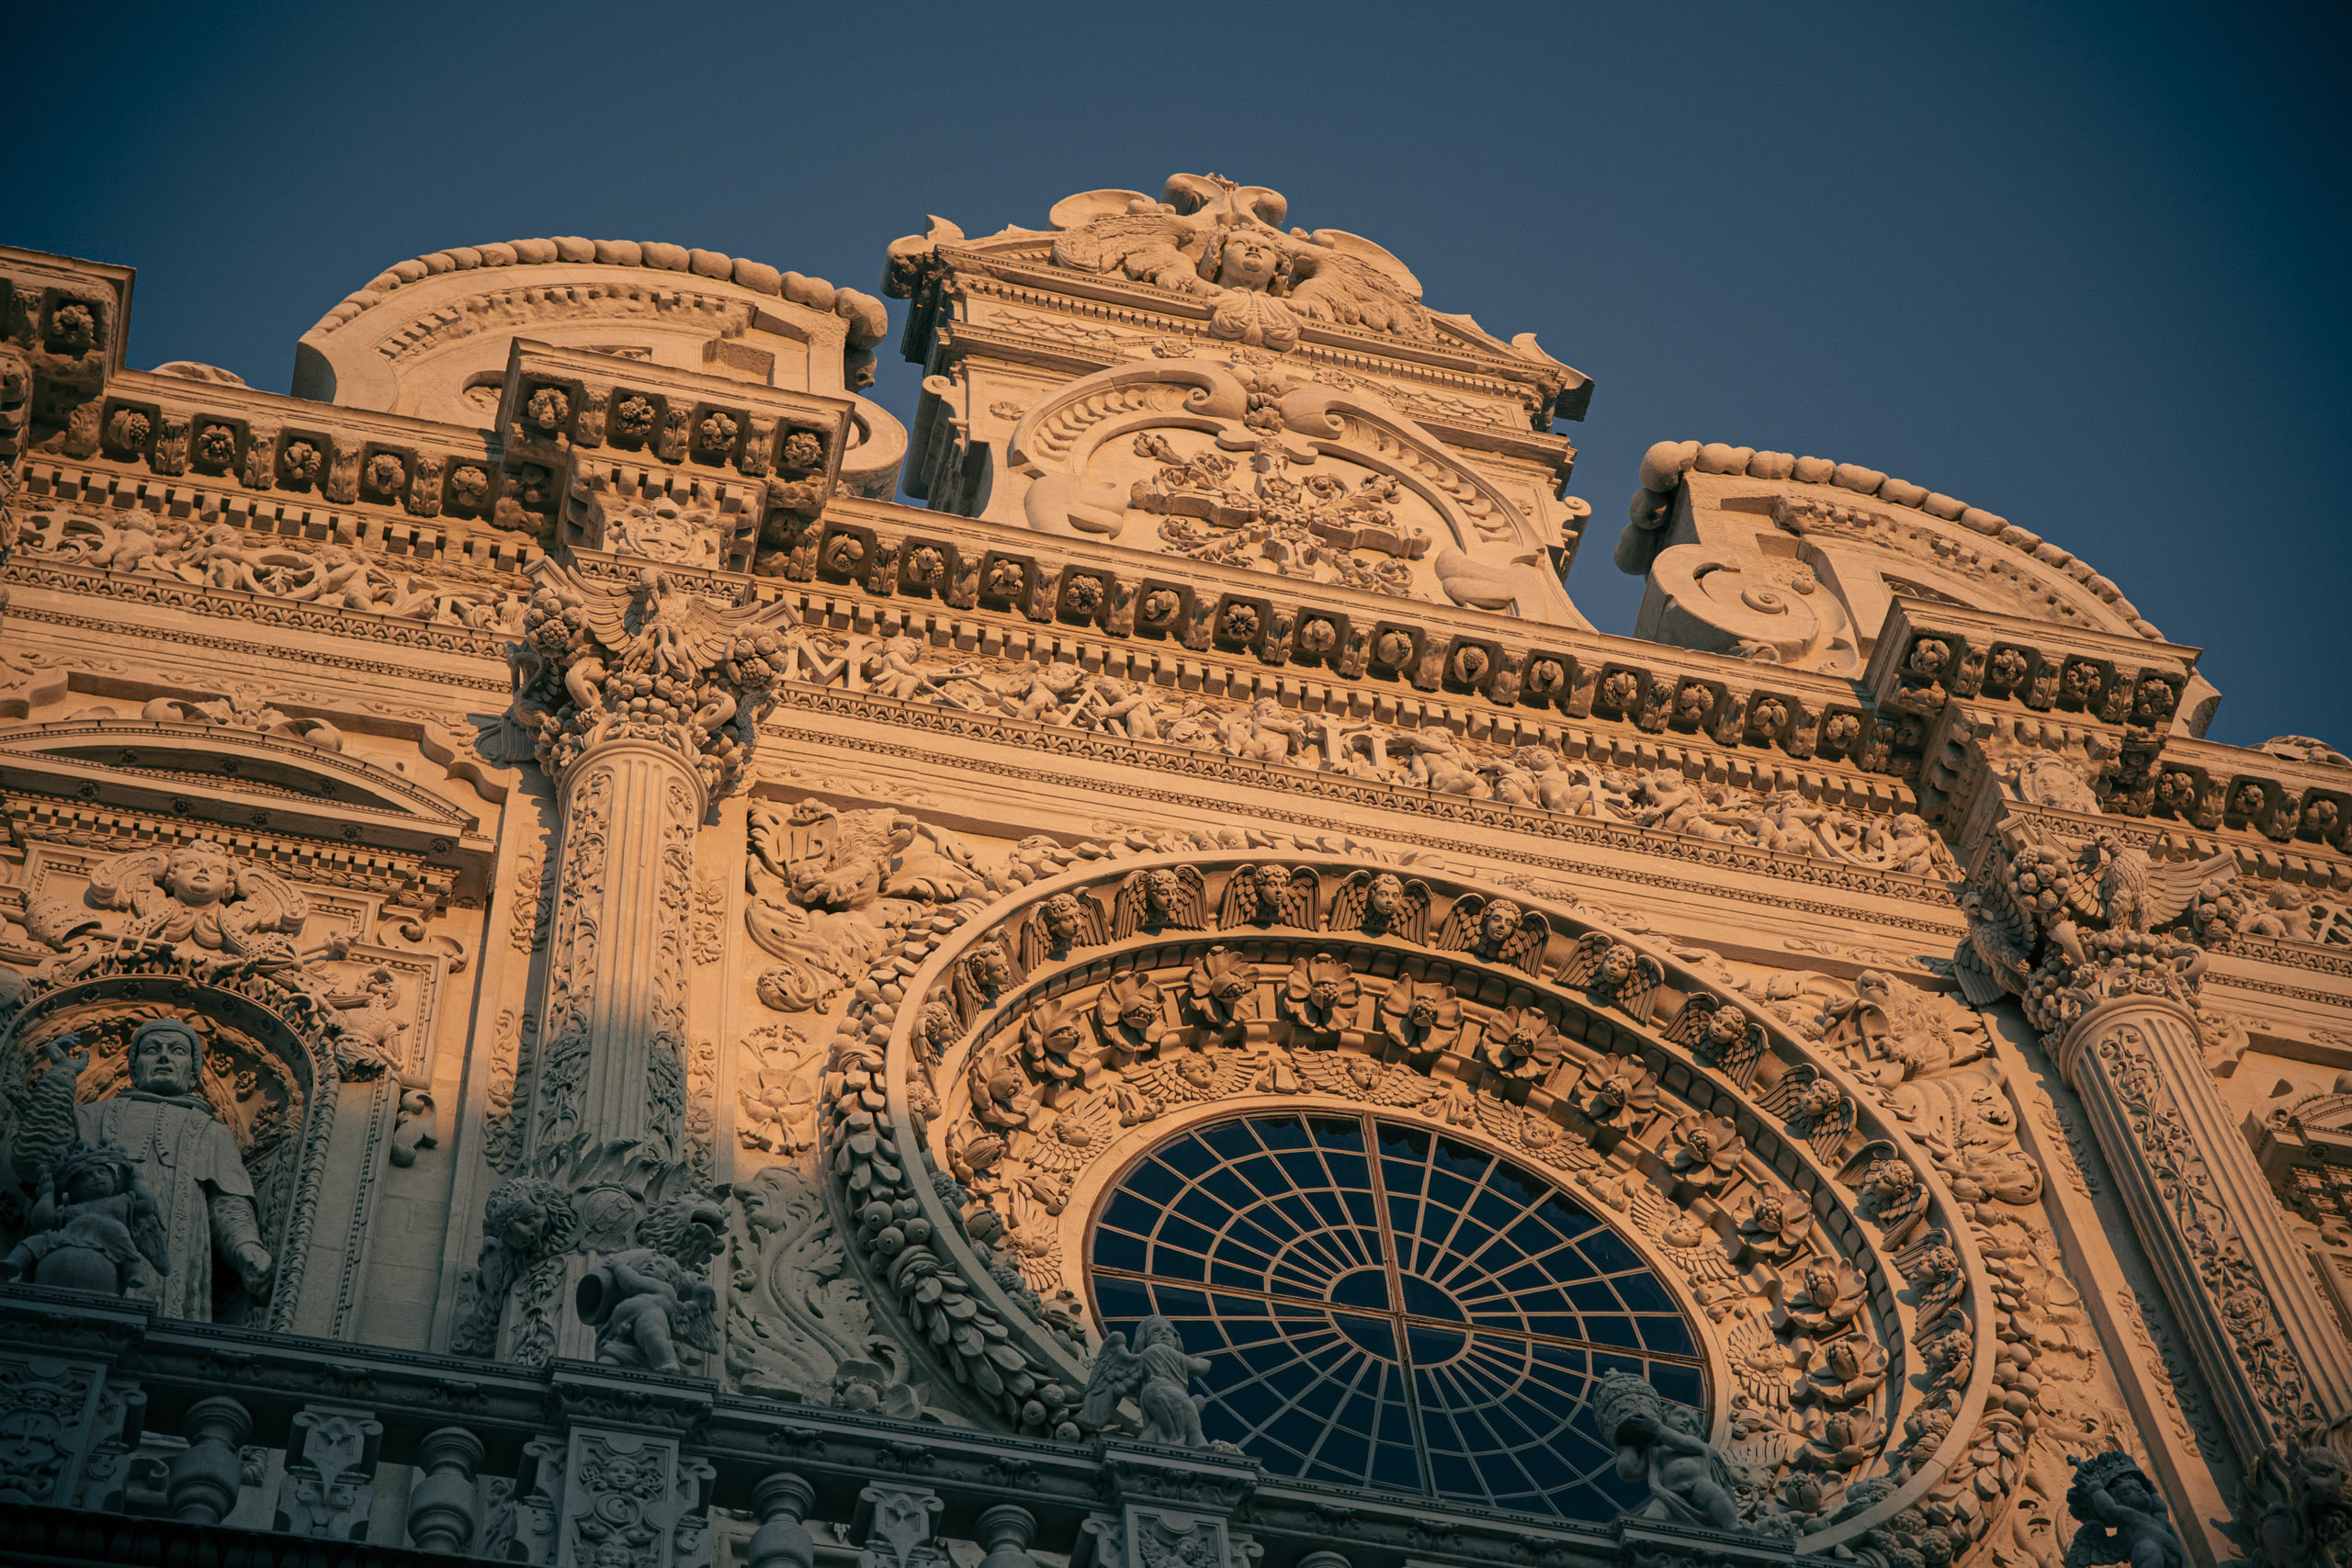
x=204, y=1200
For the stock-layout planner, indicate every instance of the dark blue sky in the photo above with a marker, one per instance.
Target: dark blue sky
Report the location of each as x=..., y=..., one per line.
x=2082, y=266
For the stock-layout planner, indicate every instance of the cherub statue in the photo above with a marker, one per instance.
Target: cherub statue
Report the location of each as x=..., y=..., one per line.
x=643, y=1300
x=1157, y=1375
x=2122, y=1518
x=1689, y=1480
x=95, y=1226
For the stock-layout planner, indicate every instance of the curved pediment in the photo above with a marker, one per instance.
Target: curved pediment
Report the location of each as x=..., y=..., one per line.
x=246, y=778
x=1199, y=458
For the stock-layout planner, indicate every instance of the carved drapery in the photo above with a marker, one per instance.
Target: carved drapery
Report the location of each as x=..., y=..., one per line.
x=2271, y=1352
x=1025, y=1020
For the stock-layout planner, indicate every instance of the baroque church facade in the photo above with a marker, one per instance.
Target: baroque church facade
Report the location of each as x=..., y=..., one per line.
x=581, y=985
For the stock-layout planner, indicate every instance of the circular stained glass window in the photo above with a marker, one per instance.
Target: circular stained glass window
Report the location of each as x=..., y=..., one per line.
x=1384, y=1306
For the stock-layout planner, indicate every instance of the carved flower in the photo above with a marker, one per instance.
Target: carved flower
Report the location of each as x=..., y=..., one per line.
x=1707, y=1150
x=1129, y=1013
x=803, y=450
x=2321, y=814
x=1843, y=1372
x=303, y=461
x=2006, y=667
x=1621, y=690
x=385, y=473
x=1082, y=595
x=129, y=429
x=1421, y=1015
x=547, y=408
x=1928, y=657
x=1001, y=1096
x=1818, y=1299
x=1240, y=623
x=2248, y=800
x=468, y=485
x=1622, y=1090
x=2153, y=701
x=1839, y=1440
x=1054, y=1044
x=1692, y=703
x=216, y=446
x=1769, y=716
x=2176, y=792
x=1774, y=1227
x=634, y=415
x=716, y=431
x=1392, y=649
x=1525, y=1042
x=1159, y=607
x=1317, y=637
x=1320, y=992
x=1840, y=731
x=1220, y=985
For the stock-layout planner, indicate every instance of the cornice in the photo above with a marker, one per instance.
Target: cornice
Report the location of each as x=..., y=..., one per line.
x=1525, y=822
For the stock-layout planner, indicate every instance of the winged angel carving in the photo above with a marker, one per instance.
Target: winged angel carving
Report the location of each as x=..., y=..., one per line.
x=2066, y=892
x=1209, y=236
x=654, y=662
x=1157, y=1375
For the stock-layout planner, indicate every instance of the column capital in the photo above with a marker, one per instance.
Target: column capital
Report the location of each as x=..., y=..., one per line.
x=654, y=662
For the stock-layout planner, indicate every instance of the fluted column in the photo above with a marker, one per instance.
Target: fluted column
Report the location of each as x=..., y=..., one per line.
x=612, y=1061
x=2238, y=1285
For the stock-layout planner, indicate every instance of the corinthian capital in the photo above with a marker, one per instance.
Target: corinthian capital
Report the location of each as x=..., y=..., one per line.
x=651, y=663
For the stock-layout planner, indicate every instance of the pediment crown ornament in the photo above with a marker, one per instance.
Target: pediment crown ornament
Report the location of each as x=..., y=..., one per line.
x=1222, y=243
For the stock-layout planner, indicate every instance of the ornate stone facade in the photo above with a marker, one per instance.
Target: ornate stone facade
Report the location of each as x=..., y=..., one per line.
x=580, y=986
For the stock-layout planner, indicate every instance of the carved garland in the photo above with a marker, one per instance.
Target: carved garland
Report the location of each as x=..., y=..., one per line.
x=1526, y=993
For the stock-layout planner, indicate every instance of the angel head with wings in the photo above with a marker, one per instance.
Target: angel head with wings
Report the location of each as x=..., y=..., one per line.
x=196, y=894
x=1213, y=237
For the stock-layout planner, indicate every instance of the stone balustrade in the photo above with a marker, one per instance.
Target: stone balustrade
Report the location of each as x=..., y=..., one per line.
x=122, y=1421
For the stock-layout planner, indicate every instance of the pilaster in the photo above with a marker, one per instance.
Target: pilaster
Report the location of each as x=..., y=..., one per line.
x=2241, y=1289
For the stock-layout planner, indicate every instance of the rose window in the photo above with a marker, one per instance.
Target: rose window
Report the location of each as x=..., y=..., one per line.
x=1384, y=1305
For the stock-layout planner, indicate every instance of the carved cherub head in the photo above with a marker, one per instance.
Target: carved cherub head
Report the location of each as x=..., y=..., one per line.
x=1616, y=965
x=1064, y=919
x=1723, y=1026
x=988, y=967
x=1498, y=922
x=199, y=874
x=90, y=1173
x=1889, y=1182
x=935, y=1031
x=1386, y=896
x=527, y=1216
x=166, y=1057
x=1162, y=891
x=1248, y=261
